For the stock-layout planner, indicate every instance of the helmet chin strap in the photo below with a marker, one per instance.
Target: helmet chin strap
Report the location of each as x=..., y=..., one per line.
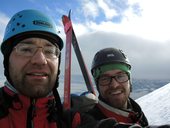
x=56, y=94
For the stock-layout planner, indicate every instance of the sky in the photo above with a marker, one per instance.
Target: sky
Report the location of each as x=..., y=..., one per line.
x=155, y=106
x=141, y=28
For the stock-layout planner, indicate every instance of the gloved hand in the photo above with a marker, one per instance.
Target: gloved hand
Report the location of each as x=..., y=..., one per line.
x=84, y=102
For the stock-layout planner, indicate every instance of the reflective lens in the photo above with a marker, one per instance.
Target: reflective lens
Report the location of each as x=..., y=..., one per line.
x=29, y=50
x=106, y=80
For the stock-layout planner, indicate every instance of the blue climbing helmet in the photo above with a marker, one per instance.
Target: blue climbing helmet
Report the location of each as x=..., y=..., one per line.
x=26, y=24
x=30, y=23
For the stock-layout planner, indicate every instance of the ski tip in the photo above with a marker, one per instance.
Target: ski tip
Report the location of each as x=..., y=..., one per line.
x=69, y=14
x=65, y=19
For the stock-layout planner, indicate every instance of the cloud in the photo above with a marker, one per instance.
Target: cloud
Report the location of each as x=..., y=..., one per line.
x=149, y=59
x=108, y=11
x=90, y=8
x=134, y=17
x=153, y=22
x=3, y=21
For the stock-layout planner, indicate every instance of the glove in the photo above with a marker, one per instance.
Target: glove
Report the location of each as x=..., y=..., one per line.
x=84, y=102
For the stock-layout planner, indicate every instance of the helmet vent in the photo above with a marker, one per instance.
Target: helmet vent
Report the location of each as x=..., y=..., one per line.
x=19, y=15
x=23, y=26
x=110, y=55
x=18, y=24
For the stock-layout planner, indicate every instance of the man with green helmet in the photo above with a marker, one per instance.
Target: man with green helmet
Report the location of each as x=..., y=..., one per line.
x=112, y=74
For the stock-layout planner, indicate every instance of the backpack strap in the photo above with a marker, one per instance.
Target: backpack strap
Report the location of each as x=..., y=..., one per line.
x=55, y=110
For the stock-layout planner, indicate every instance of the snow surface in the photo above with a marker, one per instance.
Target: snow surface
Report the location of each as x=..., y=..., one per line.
x=156, y=105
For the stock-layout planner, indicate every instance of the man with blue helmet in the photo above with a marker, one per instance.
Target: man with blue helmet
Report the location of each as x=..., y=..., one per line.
x=31, y=50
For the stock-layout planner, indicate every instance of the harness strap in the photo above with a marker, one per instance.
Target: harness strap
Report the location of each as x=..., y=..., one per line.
x=56, y=110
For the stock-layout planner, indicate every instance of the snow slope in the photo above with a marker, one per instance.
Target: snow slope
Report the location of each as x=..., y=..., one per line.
x=156, y=105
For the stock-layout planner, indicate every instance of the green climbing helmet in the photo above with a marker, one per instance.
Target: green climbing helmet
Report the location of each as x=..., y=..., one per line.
x=30, y=23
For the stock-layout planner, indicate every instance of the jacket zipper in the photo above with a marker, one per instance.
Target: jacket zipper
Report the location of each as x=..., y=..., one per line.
x=31, y=114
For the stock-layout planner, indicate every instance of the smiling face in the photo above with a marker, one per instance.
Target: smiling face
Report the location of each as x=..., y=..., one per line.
x=33, y=76
x=116, y=94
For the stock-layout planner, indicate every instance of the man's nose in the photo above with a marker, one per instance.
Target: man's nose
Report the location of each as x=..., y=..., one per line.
x=114, y=83
x=39, y=57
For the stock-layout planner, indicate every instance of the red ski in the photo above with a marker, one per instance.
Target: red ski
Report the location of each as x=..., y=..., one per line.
x=71, y=37
x=67, y=75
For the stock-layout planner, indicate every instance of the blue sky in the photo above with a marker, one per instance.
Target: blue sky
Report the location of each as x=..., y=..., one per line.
x=80, y=8
x=139, y=27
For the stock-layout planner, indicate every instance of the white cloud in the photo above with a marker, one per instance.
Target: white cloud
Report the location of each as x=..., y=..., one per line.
x=154, y=21
x=81, y=29
x=150, y=21
x=90, y=8
x=3, y=21
x=108, y=11
x=149, y=59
